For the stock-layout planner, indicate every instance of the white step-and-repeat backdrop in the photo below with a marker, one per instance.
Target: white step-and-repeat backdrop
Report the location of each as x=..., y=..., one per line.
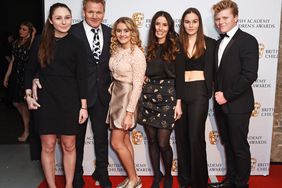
x=258, y=17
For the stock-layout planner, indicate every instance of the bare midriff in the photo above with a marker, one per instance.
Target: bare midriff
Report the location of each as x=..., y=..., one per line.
x=194, y=76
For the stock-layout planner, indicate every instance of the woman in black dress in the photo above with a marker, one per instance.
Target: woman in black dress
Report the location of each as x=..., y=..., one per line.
x=59, y=60
x=160, y=101
x=14, y=77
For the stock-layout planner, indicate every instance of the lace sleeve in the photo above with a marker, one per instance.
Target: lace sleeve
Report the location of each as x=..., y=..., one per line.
x=138, y=73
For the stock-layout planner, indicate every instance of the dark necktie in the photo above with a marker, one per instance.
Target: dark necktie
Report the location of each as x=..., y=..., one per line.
x=223, y=35
x=96, y=45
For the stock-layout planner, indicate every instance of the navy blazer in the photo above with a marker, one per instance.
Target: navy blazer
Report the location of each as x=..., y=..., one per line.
x=99, y=78
x=237, y=72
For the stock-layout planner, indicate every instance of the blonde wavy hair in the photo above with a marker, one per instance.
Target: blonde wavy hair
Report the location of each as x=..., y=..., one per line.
x=135, y=37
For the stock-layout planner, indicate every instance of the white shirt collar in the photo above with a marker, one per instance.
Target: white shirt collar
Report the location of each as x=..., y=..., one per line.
x=88, y=27
x=232, y=32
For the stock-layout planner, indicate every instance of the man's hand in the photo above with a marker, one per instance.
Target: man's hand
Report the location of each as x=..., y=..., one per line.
x=83, y=115
x=219, y=97
x=35, y=84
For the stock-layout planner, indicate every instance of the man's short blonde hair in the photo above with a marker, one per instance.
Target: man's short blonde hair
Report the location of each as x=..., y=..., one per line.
x=103, y=2
x=225, y=4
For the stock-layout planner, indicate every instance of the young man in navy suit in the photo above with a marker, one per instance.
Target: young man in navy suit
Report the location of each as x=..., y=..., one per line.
x=98, y=97
x=236, y=69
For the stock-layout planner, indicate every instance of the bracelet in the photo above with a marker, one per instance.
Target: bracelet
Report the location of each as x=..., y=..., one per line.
x=84, y=108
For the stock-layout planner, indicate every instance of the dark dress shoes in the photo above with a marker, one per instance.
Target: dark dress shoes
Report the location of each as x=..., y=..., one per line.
x=103, y=179
x=78, y=181
x=168, y=180
x=157, y=180
x=223, y=184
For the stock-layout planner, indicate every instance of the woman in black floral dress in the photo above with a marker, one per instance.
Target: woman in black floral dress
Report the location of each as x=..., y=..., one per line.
x=14, y=78
x=160, y=100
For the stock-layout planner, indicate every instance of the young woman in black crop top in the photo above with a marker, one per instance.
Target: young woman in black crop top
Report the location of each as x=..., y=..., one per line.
x=194, y=75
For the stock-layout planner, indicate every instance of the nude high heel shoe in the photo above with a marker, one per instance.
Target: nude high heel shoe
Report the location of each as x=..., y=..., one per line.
x=123, y=183
x=137, y=184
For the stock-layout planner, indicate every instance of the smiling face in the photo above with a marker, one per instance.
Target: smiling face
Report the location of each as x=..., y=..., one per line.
x=191, y=24
x=123, y=35
x=94, y=13
x=61, y=20
x=225, y=20
x=161, y=26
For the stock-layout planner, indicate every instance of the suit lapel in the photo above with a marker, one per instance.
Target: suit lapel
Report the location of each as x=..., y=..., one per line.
x=226, y=50
x=229, y=45
x=83, y=37
x=216, y=54
x=105, y=38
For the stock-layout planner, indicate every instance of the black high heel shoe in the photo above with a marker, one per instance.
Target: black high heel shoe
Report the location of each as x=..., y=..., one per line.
x=157, y=180
x=168, y=182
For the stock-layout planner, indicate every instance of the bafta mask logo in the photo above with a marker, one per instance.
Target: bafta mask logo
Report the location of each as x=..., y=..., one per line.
x=174, y=165
x=256, y=109
x=138, y=19
x=261, y=50
x=253, y=163
x=213, y=137
x=137, y=137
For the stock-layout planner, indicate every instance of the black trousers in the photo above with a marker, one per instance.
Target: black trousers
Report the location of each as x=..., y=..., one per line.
x=190, y=136
x=234, y=129
x=97, y=114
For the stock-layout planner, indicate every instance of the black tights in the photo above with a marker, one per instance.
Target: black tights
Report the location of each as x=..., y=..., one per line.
x=159, y=143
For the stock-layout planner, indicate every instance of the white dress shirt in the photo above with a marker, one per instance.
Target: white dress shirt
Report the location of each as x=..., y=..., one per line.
x=90, y=35
x=224, y=42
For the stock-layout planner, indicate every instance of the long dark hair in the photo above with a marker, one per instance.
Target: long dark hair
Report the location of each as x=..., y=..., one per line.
x=46, y=48
x=184, y=38
x=170, y=47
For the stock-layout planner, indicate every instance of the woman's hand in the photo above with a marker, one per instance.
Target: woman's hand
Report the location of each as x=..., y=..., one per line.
x=83, y=115
x=32, y=104
x=5, y=82
x=127, y=121
x=146, y=79
x=33, y=32
x=35, y=86
x=177, y=110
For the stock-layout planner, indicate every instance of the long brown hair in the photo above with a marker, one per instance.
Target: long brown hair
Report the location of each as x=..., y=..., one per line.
x=21, y=41
x=170, y=47
x=184, y=38
x=46, y=47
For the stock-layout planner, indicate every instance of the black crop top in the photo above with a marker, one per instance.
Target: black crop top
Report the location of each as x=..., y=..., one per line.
x=192, y=64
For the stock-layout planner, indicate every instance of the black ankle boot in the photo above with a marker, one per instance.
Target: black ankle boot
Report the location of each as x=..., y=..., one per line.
x=168, y=181
x=157, y=180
